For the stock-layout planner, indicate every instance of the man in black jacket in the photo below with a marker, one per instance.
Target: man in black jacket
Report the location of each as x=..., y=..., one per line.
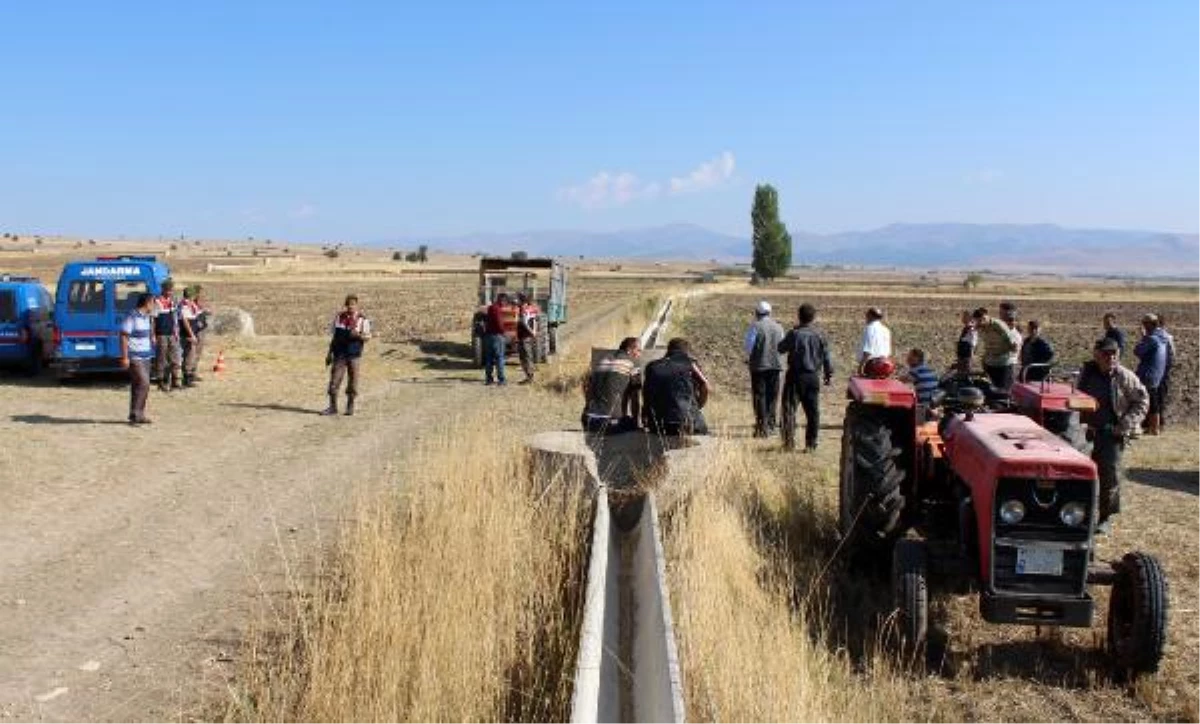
x=674, y=389
x=350, y=332
x=808, y=364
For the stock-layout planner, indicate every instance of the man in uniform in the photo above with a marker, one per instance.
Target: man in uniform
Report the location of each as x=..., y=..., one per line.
x=189, y=338
x=168, y=361
x=351, y=331
x=137, y=352
x=674, y=392
x=808, y=364
x=527, y=321
x=494, y=342
x=762, y=356
x=611, y=391
x=1122, y=402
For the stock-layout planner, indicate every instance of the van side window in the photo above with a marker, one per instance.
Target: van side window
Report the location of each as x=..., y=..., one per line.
x=8, y=306
x=86, y=295
x=126, y=294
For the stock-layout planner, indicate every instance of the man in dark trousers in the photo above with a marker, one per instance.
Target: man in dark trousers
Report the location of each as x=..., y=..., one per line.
x=762, y=356
x=674, y=392
x=351, y=330
x=1122, y=402
x=612, y=390
x=137, y=351
x=495, y=344
x=527, y=321
x=808, y=364
x=168, y=361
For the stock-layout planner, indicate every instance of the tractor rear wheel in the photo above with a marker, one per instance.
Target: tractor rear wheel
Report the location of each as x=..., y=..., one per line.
x=910, y=592
x=477, y=350
x=870, y=501
x=1137, y=615
x=554, y=339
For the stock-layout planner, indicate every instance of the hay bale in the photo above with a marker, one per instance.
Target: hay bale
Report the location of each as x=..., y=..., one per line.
x=232, y=321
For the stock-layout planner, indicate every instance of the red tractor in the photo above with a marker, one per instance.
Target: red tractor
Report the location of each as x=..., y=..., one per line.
x=971, y=488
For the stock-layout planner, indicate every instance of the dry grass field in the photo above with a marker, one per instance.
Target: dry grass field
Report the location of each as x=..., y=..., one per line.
x=786, y=506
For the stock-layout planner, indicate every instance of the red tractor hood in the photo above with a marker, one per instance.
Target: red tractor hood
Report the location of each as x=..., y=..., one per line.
x=994, y=445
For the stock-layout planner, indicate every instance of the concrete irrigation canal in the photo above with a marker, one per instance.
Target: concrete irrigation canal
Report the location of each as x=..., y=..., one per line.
x=627, y=669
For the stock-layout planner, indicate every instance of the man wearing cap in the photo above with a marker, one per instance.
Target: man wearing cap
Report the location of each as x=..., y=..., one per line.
x=350, y=331
x=1122, y=402
x=762, y=357
x=876, y=339
x=1001, y=341
x=168, y=360
x=1151, y=353
x=808, y=363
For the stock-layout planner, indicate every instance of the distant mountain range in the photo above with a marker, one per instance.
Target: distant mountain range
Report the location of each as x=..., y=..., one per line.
x=1000, y=247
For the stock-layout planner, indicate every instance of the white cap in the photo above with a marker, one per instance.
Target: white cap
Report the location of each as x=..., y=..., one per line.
x=764, y=307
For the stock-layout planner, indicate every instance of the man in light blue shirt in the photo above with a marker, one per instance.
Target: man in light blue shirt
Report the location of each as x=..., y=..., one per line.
x=762, y=357
x=137, y=353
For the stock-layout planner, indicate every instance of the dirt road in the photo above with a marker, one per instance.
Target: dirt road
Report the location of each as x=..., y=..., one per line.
x=129, y=558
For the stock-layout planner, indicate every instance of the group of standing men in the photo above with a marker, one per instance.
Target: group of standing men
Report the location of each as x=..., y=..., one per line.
x=525, y=315
x=162, y=339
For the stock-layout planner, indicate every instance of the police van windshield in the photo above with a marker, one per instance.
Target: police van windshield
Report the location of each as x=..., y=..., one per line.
x=126, y=294
x=86, y=295
x=8, y=306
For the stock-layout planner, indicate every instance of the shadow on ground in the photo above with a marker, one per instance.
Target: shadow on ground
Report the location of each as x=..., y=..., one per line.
x=1180, y=481
x=275, y=407
x=51, y=420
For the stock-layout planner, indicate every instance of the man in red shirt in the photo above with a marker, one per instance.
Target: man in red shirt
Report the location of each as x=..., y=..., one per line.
x=494, y=342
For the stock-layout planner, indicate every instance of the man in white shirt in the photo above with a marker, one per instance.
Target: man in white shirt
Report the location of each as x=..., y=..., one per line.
x=877, y=339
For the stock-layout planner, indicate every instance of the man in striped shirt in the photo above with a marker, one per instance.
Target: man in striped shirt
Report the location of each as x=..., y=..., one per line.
x=137, y=351
x=924, y=380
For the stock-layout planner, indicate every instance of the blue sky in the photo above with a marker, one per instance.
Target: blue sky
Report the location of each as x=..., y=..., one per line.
x=367, y=121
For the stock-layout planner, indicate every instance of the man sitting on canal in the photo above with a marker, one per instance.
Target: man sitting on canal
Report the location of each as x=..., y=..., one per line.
x=612, y=390
x=674, y=392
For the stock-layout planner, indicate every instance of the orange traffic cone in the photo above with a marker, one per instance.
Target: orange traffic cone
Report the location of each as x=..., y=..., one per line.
x=219, y=367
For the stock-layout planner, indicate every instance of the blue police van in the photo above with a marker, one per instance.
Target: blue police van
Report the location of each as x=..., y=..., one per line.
x=26, y=323
x=93, y=298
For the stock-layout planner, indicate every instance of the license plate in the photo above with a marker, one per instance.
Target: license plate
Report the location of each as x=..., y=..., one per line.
x=85, y=346
x=1039, y=562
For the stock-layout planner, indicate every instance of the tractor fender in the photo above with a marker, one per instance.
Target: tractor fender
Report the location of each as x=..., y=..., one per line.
x=885, y=393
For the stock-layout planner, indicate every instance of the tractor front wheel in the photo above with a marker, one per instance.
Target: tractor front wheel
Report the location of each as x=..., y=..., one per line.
x=910, y=592
x=1137, y=615
x=870, y=500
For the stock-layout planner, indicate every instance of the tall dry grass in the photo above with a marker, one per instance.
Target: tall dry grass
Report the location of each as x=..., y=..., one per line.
x=754, y=646
x=454, y=598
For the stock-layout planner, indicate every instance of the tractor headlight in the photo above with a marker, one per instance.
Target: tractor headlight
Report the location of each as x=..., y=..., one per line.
x=1012, y=512
x=1073, y=514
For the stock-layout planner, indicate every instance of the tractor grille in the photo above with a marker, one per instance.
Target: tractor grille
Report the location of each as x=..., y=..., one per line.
x=1041, y=528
